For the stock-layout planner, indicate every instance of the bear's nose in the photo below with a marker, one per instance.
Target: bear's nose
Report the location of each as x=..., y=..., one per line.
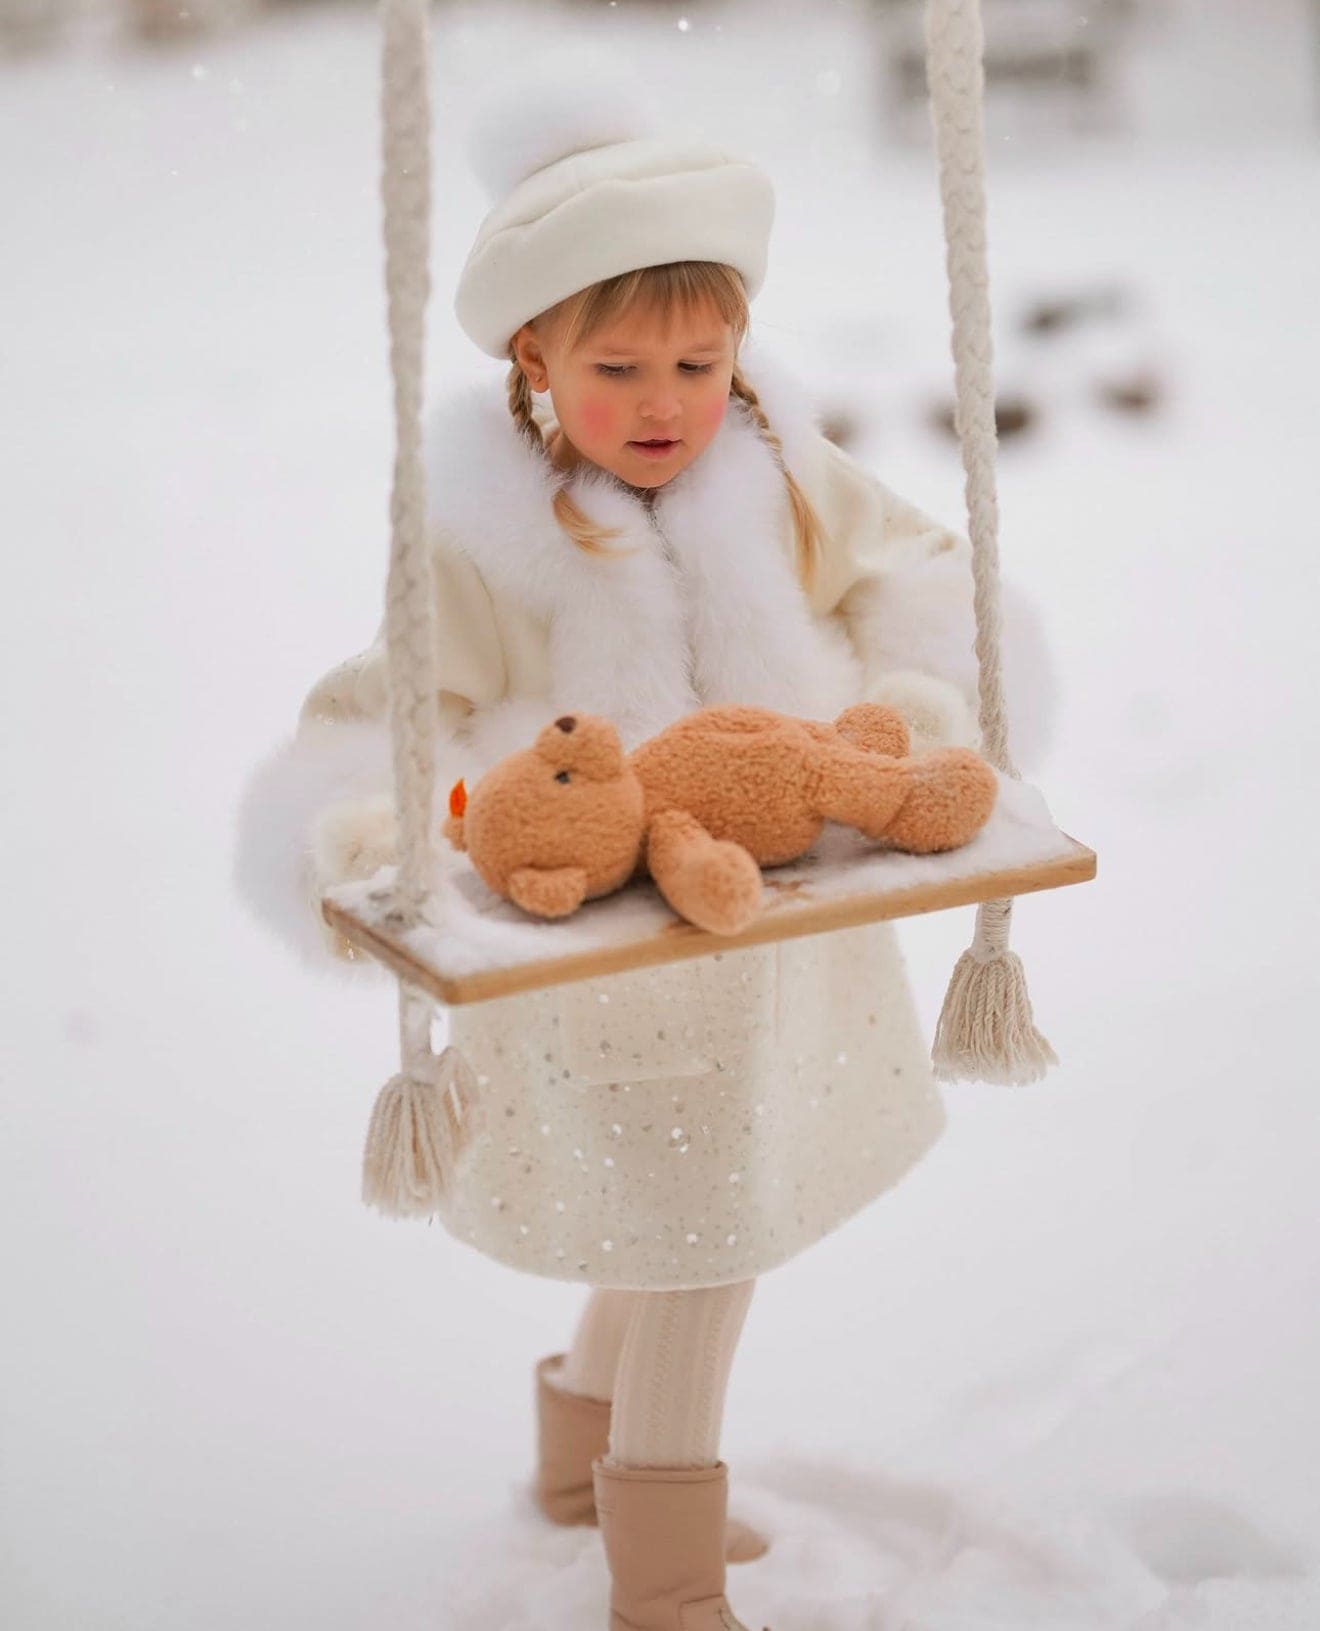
x=566, y=723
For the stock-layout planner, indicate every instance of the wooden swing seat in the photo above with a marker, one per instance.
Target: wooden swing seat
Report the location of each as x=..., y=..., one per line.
x=475, y=946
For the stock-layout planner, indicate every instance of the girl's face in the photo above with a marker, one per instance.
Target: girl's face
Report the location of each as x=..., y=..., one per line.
x=637, y=381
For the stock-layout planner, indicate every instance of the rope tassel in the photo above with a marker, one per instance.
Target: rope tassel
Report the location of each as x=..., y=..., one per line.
x=425, y=1115
x=986, y=1032
x=424, y=1119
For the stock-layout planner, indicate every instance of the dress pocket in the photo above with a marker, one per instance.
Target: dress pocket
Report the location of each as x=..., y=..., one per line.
x=641, y=1025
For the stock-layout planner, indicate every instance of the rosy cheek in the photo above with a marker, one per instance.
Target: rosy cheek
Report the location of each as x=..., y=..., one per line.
x=598, y=416
x=712, y=414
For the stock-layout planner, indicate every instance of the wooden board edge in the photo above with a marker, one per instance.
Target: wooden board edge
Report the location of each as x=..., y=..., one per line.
x=679, y=941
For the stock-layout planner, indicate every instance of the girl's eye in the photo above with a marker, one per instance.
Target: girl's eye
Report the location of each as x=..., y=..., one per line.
x=616, y=371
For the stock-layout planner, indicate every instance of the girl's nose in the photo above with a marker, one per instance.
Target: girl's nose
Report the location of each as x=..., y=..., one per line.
x=662, y=407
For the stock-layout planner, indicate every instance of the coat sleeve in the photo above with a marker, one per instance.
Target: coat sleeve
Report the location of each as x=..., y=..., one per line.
x=319, y=809
x=902, y=585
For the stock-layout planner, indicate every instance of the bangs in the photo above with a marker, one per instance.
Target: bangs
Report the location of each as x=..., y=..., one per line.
x=663, y=294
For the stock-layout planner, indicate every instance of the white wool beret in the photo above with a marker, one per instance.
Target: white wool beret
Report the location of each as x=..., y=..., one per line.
x=592, y=191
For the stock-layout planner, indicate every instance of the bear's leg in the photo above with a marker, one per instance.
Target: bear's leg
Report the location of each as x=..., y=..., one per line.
x=711, y=882
x=952, y=793
x=935, y=802
x=859, y=788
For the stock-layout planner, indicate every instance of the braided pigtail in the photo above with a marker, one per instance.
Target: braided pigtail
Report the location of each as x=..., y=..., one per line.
x=520, y=406
x=585, y=533
x=807, y=528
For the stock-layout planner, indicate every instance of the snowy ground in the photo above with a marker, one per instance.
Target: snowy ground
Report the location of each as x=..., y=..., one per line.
x=1060, y=1378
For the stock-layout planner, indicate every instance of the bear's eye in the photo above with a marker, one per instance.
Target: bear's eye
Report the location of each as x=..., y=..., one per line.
x=561, y=776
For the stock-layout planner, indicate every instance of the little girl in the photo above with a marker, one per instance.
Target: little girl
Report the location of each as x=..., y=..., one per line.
x=669, y=530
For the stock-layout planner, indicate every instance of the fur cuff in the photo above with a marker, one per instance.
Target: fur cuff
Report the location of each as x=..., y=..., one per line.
x=320, y=810
x=287, y=843
x=935, y=710
x=918, y=617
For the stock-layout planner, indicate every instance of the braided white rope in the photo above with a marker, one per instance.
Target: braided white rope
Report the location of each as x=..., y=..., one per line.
x=955, y=43
x=427, y=1111
x=985, y=1029
x=406, y=195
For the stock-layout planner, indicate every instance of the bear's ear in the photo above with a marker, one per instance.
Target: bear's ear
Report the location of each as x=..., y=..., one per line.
x=585, y=743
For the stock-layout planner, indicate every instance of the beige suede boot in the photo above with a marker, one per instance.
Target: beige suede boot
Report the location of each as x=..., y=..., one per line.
x=663, y=1529
x=573, y=1431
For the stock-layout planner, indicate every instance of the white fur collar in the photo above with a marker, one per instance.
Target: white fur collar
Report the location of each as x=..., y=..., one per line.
x=705, y=609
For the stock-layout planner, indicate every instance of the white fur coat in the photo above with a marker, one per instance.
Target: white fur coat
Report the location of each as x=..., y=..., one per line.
x=705, y=608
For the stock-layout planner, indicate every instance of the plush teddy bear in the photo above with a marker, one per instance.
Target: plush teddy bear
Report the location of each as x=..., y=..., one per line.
x=705, y=804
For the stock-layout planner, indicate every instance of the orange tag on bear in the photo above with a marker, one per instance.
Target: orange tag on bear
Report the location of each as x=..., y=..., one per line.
x=457, y=798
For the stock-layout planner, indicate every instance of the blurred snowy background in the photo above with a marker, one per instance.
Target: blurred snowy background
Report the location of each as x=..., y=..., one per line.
x=1065, y=1377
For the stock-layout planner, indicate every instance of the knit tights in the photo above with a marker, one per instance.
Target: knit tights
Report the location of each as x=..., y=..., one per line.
x=663, y=1358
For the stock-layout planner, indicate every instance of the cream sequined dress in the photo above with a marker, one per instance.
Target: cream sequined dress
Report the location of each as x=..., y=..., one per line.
x=696, y=1123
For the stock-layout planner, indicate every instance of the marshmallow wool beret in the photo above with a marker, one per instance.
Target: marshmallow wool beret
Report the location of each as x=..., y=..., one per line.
x=588, y=189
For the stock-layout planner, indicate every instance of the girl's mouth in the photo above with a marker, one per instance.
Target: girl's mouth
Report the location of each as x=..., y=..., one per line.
x=656, y=449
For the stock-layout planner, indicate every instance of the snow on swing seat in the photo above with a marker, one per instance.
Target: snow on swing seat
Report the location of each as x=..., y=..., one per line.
x=475, y=945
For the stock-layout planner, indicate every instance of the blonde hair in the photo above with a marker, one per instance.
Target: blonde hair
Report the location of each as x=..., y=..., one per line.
x=678, y=286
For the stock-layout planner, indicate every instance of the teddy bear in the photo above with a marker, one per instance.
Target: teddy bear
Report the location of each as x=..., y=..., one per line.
x=705, y=804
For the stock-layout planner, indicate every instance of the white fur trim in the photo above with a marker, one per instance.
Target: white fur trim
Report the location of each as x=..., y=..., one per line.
x=705, y=608
x=616, y=633
x=751, y=632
